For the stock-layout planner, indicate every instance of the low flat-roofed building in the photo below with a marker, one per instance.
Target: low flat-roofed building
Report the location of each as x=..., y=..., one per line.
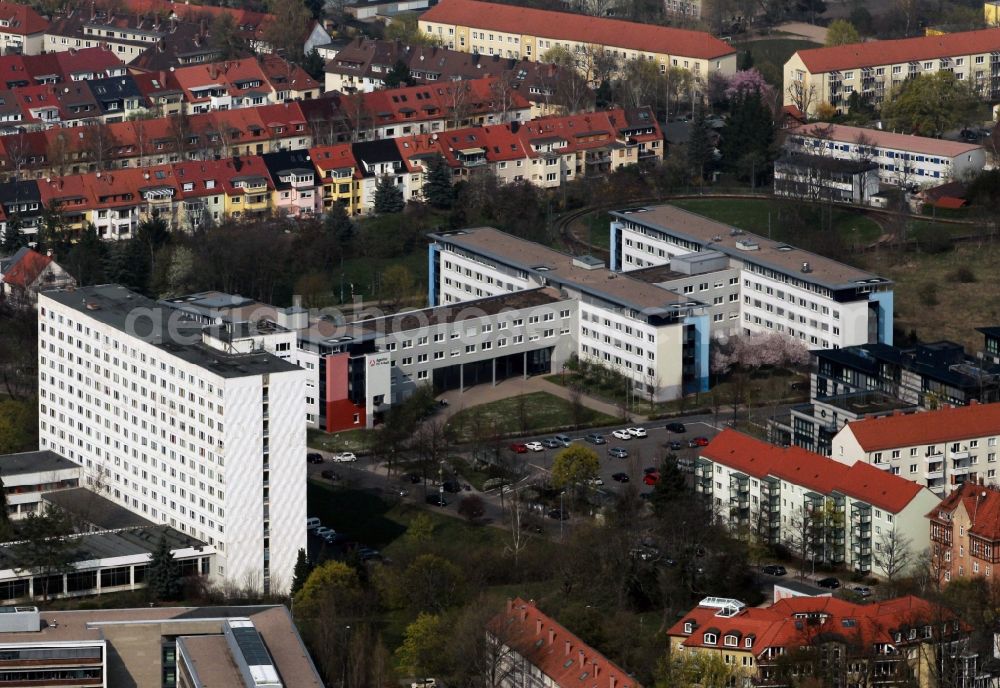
x=27, y=475
x=92, y=512
x=822, y=178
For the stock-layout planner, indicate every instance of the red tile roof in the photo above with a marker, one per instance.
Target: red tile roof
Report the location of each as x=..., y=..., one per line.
x=22, y=20
x=927, y=427
x=813, y=471
x=559, y=654
x=886, y=139
x=578, y=27
x=982, y=504
x=900, y=51
x=776, y=626
x=26, y=270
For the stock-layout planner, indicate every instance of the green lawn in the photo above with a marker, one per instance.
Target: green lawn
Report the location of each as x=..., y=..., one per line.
x=364, y=274
x=767, y=217
x=349, y=440
x=537, y=412
x=770, y=56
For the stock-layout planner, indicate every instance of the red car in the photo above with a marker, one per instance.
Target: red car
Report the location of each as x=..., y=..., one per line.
x=698, y=442
x=651, y=478
x=519, y=448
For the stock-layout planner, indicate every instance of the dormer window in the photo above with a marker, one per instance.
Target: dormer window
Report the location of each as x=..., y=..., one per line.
x=731, y=641
x=748, y=642
x=688, y=627
x=913, y=634
x=711, y=639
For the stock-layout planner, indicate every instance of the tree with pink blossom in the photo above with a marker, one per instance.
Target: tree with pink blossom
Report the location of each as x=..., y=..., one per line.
x=746, y=81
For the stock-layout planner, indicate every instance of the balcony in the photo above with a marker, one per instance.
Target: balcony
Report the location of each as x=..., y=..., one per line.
x=930, y=453
x=960, y=455
x=883, y=465
x=933, y=475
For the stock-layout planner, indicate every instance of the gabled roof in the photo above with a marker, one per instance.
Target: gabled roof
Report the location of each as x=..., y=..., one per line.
x=927, y=427
x=336, y=157
x=24, y=267
x=21, y=19
x=982, y=505
x=578, y=27
x=899, y=51
x=813, y=471
x=560, y=655
x=885, y=139
x=227, y=75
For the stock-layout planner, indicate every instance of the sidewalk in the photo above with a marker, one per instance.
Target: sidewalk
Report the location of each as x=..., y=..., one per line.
x=486, y=393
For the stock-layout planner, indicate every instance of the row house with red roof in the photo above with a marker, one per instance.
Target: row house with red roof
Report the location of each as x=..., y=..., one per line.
x=823, y=510
x=941, y=449
x=902, y=642
x=965, y=534
x=22, y=29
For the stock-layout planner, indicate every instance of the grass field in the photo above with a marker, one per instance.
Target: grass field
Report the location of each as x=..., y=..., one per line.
x=349, y=440
x=770, y=55
x=764, y=217
x=932, y=301
x=537, y=412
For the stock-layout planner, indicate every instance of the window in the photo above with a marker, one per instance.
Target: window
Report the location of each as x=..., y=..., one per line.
x=711, y=639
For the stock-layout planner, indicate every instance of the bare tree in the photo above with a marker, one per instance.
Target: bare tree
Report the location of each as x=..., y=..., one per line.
x=458, y=96
x=504, y=97
x=802, y=96
x=99, y=145
x=893, y=554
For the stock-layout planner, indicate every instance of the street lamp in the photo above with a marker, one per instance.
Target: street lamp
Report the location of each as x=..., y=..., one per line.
x=441, y=483
x=347, y=650
x=562, y=514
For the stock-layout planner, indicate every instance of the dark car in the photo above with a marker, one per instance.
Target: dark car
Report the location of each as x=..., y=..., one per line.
x=620, y=477
x=412, y=477
x=519, y=448
x=551, y=443
x=676, y=427
x=830, y=583
x=649, y=469
x=314, y=457
x=594, y=438
x=330, y=475
x=674, y=445
x=436, y=500
x=774, y=570
x=799, y=386
x=558, y=514
x=452, y=486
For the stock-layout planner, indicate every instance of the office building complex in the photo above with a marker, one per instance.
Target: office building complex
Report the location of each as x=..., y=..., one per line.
x=170, y=422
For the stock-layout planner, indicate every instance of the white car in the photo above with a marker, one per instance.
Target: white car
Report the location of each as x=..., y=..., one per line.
x=621, y=435
x=344, y=457
x=534, y=446
x=637, y=432
x=322, y=531
x=595, y=481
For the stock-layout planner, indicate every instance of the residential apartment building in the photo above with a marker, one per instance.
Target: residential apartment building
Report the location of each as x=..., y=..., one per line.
x=941, y=449
x=872, y=380
x=538, y=652
x=896, y=643
x=872, y=69
x=823, y=303
x=164, y=646
x=821, y=509
x=965, y=533
x=510, y=31
x=167, y=425
x=820, y=178
x=653, y=336
x=22, y=29
x=902, y=159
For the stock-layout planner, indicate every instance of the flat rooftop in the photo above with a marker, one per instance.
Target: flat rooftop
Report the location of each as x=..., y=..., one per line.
x=211, y=660
x=44, y=461
x=777, y=255
x=163, y=327
x=867, y=403
x=562, y=269
x=96, y=510
x=658, y=274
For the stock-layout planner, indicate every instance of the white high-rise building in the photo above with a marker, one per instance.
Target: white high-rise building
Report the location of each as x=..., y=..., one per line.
x=209, y=441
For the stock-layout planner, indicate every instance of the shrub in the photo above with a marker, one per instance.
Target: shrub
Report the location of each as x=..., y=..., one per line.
x=928, y=294
x=963, y=275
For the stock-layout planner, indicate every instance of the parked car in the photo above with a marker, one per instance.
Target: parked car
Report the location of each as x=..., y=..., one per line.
x=314, y=457
x=330, y=475
x=558, y=514
x=676, y=427
x=344, y=457
x=596, y=482
x=452, y=486
x=621, y=435
x=698, y=442
x=651, y=478
x=649, y=469
x=332, y=537
x=312, y=523
x=617, y=453
x=552, y=443
x=620, y=477
x=563, y=440
x=323, y=530
x=535, y=446
x=436, y=500
x=519, y=448
x=636, y=432
x=674, y=445
x=595, y=438
x=369, y=553
x=861, y=590
x=830, y=583
x=774, y=570
x=645, y=553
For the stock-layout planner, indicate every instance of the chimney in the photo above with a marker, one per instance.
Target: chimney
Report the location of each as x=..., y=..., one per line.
x=567, y=648
x=510, y=605
x=552, y=636
x=612, y=681
x=583, y=660
x=596, y=669
x=524, y=613
x=538, y=627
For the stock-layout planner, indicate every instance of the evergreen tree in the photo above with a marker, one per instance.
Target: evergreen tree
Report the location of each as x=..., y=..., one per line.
x=388, y=197
x=338, y=223
x=87, y=257
x=303, y=567
x=437, y=186
x=13, y=237
x=45, y=548
x=749, y=131
x=164, y=577
x=314, y=65
x=399, y=75
x=699, y=147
